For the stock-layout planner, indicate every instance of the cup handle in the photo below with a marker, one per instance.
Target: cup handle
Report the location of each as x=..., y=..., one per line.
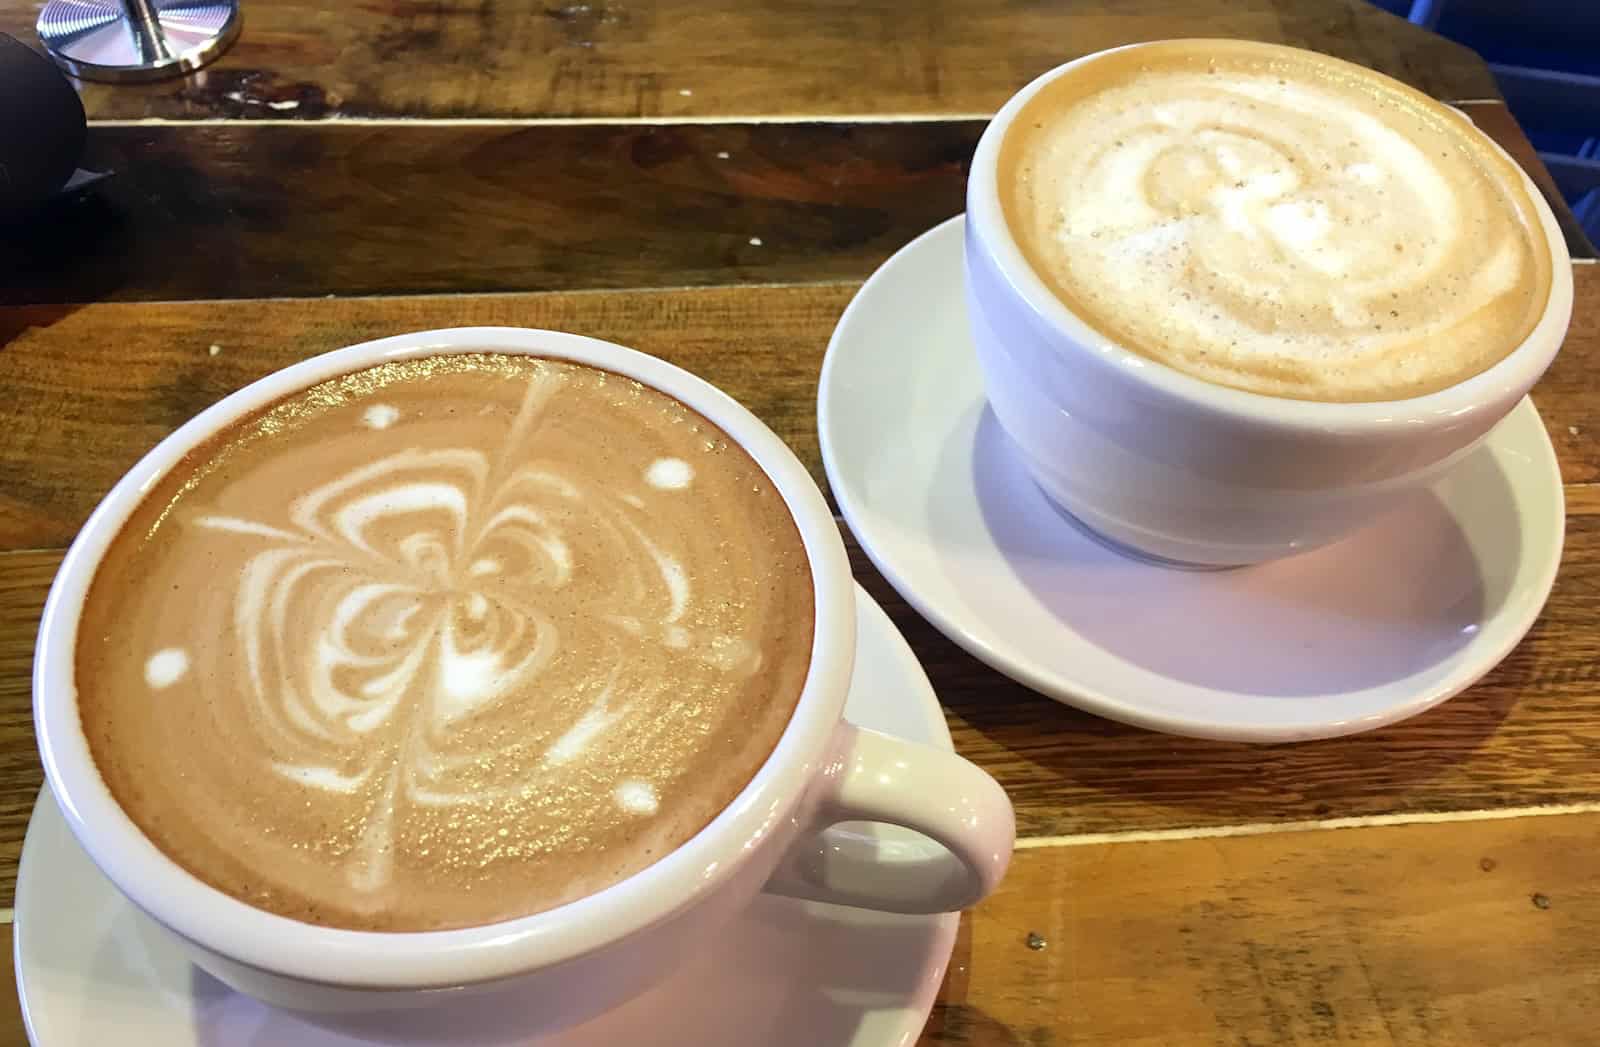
x=870, y=776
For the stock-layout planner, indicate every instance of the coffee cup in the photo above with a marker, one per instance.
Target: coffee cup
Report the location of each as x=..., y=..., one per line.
x=1171, y=451
x=575, y=960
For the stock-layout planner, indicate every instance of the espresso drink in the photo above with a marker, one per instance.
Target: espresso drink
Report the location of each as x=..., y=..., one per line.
x=1275, y=221
x=444, y=642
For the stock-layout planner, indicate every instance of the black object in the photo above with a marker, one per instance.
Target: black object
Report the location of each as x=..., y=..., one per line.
x=42, y=128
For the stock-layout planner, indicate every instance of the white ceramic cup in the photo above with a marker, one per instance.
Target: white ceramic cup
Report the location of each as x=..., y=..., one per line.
x=575, y=961
x=1177, y=469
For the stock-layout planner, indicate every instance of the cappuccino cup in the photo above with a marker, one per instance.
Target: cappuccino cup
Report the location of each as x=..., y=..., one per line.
x=332, y=814
x=1233, y=300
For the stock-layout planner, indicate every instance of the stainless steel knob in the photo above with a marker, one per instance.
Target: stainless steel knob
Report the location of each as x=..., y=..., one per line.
x=126, y=41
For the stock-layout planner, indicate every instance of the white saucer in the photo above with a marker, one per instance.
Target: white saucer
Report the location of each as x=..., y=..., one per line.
x=1379, y=627
x=91, y=970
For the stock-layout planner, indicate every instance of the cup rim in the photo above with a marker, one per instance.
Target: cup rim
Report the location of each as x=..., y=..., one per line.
x=1506, y=379
x=232, y=929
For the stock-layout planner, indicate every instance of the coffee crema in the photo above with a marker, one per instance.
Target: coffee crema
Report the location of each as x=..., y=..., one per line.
x=444, y=642
x=1275, y=221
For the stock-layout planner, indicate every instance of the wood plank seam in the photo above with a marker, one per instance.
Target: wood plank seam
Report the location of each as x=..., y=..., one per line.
x=335, y=120
x=1369, y=821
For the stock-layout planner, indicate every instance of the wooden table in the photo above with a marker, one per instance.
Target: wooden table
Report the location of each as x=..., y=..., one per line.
x=710, y=182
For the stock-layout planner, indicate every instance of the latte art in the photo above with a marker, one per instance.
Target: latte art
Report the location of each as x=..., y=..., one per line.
x=504, y=631
x=1275, y=221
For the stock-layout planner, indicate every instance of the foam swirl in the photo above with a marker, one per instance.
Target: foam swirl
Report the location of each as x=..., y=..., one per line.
x=1287, y=225
x=465, y=655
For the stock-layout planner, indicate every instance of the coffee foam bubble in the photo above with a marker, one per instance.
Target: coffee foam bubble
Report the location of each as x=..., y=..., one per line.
x=1274, y=221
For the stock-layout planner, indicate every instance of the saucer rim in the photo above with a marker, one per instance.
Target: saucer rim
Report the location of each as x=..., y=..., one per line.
x=1062, y=689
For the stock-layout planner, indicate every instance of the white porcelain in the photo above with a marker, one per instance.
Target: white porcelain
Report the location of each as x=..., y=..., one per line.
x=92, y=971
x=1180, y=469
x=1393, y=620
x=583, y=958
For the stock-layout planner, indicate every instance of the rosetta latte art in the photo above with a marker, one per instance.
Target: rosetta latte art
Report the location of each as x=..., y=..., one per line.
x=388, y=582
x=469, y=655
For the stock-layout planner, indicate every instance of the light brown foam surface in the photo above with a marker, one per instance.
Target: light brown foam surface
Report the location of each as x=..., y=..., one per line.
x=445, y=642
x=1275, y=221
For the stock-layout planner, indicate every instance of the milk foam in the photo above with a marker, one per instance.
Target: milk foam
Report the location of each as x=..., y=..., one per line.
x=166, y=667
x=1274, y=221
x=522, y=664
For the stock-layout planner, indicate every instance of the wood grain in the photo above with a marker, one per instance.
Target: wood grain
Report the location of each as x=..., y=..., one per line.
x=246, y=212
x=1566, y=394
x=84, y=391
x=1464, y=933
x=12, y=1032
x=24, y=579
x=1427, y=935
x=281, y=211
x=305, y=59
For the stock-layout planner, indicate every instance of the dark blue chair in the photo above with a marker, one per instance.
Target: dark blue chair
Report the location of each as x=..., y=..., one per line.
x=1545, y=55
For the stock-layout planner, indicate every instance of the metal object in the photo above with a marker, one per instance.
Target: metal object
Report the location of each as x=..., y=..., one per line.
x=127, y=41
